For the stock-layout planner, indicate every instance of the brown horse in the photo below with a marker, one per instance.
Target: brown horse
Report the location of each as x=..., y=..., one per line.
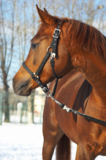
x=81, y=60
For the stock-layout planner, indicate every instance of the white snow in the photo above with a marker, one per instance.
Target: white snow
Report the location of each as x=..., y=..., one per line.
x=24, y=142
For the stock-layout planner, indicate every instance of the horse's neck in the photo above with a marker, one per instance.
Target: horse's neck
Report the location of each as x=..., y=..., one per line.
x=93, y=67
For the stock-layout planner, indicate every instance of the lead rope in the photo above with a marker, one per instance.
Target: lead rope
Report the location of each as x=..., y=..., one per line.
x=63, y=106
x=69, y=110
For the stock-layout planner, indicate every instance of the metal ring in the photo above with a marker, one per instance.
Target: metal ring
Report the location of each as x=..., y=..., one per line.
x=49, y=48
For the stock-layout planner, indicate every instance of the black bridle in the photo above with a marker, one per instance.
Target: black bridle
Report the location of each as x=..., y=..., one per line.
x=45, y=89
x=52, y=54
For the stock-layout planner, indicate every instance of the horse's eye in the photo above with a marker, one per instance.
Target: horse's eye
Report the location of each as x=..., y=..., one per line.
x=34, y=45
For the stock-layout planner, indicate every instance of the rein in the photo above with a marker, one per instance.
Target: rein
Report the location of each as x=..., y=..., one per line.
x=45, y=89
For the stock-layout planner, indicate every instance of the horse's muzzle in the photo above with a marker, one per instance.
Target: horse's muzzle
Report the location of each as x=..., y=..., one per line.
x=21, y=87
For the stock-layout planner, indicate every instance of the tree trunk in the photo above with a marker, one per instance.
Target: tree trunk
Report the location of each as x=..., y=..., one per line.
x=6, y=105
x=31, y=108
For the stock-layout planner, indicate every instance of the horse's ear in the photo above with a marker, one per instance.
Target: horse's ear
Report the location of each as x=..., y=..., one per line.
x=45, y=16
x=45, y=10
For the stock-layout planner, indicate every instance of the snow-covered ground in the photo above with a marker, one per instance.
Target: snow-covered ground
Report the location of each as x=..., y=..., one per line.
x=24, y=142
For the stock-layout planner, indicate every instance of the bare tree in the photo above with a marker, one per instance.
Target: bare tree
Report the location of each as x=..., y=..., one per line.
x=6, y=55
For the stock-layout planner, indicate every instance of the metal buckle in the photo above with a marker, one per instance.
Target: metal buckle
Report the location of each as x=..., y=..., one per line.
x=48, y=94
x=56, y=36
x=53, y=55
x=36, y=75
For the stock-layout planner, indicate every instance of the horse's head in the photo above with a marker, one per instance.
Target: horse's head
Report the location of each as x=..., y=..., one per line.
x=22, y=81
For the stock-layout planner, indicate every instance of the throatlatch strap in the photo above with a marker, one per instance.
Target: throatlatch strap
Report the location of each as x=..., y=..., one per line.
x=57, y=78
x=55, y=86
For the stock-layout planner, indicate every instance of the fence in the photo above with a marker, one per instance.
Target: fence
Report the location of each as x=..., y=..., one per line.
x=22, y=109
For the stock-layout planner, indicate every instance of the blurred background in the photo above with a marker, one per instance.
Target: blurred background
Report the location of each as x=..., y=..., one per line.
x=18, y=25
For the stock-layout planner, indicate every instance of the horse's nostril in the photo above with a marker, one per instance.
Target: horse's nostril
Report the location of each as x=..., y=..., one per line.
x=20, y=86
x=23, y=86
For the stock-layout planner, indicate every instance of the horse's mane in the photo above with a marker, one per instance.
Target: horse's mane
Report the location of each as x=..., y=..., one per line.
x=89, y=38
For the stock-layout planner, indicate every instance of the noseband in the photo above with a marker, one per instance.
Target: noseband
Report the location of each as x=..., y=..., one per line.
x=52, y=54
